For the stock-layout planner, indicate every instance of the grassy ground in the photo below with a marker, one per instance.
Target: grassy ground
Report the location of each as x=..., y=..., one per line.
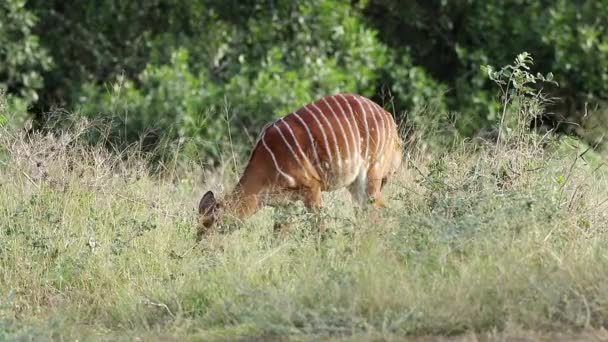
x=478, y=244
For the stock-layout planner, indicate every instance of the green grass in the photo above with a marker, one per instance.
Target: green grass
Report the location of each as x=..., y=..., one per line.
x=489, y=243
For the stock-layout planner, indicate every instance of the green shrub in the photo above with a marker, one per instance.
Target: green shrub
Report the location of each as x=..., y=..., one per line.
x=23, y=60
x=251, y=61
x=22, y=56
x=275, y=62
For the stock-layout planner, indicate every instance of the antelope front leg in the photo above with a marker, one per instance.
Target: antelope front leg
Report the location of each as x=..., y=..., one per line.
x=312, y=198
x=283, y=219
x=314, y=203
x=373, y=191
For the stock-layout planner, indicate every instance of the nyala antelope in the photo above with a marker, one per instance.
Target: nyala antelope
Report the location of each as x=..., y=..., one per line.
x=344, y=140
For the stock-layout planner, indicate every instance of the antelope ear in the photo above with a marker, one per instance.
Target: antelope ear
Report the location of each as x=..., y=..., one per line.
x=207, y=204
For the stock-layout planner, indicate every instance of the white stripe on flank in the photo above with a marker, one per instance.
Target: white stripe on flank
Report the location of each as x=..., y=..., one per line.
x=377, y=128
x=390, y=125
x=348, y=117
x=364, y=114
x=257, y=140
x=290, y=180
x=381, y=116
x=350, y=127
x=388, y=134
x=385, y=136
x=304, y=156
x=312, y=140
x=333, y=134
x=379, y=112
x=295, y=155
x=348, y=154
x=322, y=131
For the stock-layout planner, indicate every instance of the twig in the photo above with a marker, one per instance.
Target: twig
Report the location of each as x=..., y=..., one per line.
x=572, y=198
x=534, y=169
x=147, y=301
x=270, y=254
x=164, y=212
x=188, y=251
x=597, y=205
x=26, y=176
x=417, y=169
x=570, y=170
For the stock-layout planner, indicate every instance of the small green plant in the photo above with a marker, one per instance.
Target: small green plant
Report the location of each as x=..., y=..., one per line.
x=521, y=97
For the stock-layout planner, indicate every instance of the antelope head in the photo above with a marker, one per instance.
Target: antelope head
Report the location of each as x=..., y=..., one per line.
x=209, y=209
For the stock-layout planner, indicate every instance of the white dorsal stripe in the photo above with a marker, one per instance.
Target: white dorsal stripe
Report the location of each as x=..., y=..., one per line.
x=312, y=139
x=294, y=154
x=322, y=132
x=290, y=179
x=300, y=149
x=344, y=137
x=364, y=115
x=333, y=134
x=356, y=138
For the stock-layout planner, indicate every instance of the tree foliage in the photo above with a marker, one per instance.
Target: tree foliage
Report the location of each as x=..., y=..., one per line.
x=188, y=71
x=22, y=58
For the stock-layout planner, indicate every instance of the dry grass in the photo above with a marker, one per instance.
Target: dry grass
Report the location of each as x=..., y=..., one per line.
x=477, y=244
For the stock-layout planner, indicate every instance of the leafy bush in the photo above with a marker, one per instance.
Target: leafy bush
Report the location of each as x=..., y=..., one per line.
x=275, y=62
x=23, y=59
x=521, y=100
x=452, y=40
x=578, y=35
x=13, y=110
x=22, y=56
x=250, y=61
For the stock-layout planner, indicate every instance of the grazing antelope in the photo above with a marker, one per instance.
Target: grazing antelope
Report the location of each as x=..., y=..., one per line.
x=344, y=140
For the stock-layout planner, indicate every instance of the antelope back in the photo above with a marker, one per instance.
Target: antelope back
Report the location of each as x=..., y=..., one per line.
x=332, y=140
